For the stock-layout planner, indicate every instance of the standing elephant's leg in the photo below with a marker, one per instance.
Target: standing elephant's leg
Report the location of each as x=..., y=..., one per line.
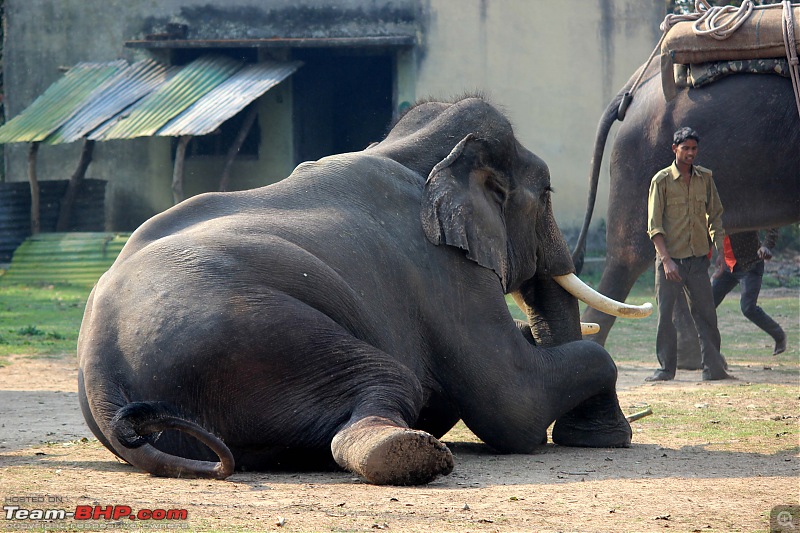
x=616, y=283
x=689, y=357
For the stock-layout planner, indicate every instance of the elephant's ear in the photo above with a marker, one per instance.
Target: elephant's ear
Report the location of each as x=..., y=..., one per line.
x=462, y=206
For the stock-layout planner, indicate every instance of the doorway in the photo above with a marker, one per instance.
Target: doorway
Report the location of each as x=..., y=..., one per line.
x=343, y=100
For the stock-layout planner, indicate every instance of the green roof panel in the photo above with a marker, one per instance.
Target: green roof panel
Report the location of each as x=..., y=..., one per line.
x=59, y=102
x=114, y=100
x=155, y=110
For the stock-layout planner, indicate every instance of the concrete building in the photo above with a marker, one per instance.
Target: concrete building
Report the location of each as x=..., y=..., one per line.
x=551, y=66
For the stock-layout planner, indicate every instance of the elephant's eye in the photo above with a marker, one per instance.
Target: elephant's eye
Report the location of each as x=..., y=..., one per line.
x=547, y=191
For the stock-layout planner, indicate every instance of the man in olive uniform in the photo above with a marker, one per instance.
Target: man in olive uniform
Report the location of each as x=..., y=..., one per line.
x=684, y=212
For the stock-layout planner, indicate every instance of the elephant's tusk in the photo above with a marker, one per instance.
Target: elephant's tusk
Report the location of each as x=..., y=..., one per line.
x=589, y=328
x=573, y=285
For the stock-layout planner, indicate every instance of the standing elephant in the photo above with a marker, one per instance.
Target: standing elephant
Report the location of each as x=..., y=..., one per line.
x=354, y=310
x=750, y=134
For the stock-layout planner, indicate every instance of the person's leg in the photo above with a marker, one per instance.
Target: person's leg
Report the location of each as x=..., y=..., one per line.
x=666, y=336
x=751, y=288
x=701, y=303
x=722, y=285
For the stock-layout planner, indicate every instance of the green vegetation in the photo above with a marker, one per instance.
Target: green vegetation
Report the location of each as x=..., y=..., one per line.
x=742, y=341
x=40, y=320
x=739, y=417
x=634, y=340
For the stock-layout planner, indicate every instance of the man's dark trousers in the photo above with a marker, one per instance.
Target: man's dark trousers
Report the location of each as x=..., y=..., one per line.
x=697, y=288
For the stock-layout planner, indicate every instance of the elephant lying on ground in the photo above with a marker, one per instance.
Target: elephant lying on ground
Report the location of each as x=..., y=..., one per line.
x=355, y=310
x=750, y=133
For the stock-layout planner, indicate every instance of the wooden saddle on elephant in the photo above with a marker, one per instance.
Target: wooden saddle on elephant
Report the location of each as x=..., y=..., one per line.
x=746, y=39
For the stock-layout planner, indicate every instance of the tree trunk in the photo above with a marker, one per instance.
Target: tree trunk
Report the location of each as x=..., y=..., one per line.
x=177, y=172
x=34, y=181
x=67, y=203
x=236, y=146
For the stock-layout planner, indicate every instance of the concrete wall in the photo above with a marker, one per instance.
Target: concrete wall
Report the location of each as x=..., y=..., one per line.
x=553, y=66
x=45, y=36
x=552, y=69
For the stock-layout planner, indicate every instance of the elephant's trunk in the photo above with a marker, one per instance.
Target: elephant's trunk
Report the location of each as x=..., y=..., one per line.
x=552, y=312
x=544, y=316
x=551, y=296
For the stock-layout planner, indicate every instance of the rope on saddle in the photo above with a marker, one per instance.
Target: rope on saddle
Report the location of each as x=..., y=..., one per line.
x=712, y=21
x=791, y=50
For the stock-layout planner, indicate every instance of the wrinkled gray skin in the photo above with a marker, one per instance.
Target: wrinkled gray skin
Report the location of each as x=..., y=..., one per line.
x=749, y=137
x=354, y=310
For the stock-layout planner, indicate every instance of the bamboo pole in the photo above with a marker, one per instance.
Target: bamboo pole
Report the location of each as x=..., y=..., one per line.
x=249, y=119
x=641, y=414
x=177, y=171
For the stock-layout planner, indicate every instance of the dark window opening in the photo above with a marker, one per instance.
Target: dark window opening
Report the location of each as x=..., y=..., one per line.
x=342, y=101
x=219, y=142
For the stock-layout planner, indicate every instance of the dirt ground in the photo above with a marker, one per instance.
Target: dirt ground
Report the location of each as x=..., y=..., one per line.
x=47, y=454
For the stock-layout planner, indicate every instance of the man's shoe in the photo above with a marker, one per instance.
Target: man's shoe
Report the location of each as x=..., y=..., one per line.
x=716, y=376
x=660, y=375
x=780, y=345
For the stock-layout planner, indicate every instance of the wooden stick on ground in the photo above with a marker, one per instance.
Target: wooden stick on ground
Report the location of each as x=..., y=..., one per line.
x=640, y=414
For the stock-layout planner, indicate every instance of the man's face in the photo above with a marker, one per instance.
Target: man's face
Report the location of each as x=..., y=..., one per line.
x=685, y=152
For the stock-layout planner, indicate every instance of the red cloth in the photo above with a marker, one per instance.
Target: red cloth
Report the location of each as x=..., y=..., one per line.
x=730, y=259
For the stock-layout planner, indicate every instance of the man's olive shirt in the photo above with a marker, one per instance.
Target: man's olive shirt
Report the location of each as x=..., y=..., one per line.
x=687, y=215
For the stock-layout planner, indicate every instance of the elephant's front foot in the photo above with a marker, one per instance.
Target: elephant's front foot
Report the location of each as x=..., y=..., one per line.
x=596, y=423
x=385, y=454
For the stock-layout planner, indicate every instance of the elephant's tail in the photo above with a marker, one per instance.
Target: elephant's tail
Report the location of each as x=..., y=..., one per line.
x=615, y=110
x=136, y=426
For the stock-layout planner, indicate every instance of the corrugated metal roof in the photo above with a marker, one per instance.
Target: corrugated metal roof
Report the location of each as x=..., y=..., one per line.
x=127, y=87
x=75, y=257
x=59, y=102
x=400, y=41
x=153, y=111
x=103, y=101
x=228, y=98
